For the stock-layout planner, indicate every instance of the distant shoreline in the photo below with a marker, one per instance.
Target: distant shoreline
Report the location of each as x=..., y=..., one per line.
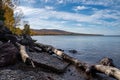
x=56, y=32
x=65, y=35
x=82, y=35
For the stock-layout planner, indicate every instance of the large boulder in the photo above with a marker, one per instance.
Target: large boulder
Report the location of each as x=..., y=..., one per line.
x=6, y=35
x=4, y=29
x=8, y=54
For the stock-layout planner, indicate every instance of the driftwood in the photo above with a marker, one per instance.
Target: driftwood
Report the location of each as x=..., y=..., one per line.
x=24, y=55
x=108, y=70
x=43, y=60
x=106, y=66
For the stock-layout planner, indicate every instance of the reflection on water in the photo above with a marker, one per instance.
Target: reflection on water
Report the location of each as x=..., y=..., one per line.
x=90, y=48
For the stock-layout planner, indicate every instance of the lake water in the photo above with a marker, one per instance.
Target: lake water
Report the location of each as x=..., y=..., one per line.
x=90, y=48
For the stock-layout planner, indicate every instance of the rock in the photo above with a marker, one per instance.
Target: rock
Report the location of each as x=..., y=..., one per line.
x=107, y=62
x=1, y=42
x=48, y=62
x=27, y=40
x=4, y=30
x=8, y=37
x=6, y=34
x=73, y=51
x=61, y=50
x=1, y=23
x=8, y=54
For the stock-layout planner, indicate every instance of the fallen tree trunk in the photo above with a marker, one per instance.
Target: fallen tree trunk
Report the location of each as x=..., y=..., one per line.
x=43, y=60
x=105, y=67
x=108, y=70
x=24, y=55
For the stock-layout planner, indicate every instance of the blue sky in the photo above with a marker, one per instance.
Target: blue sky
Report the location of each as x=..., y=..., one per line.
x=83, y=16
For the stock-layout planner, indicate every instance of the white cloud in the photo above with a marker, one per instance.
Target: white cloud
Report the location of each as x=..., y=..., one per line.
x=46, y=1
x=77, y=8
x=39, y=18
x=30, y=1
x=49, y=7
x=79, y=25
x=54, y=14
x=60, y=1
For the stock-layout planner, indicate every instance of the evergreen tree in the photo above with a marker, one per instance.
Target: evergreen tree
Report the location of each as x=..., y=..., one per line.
x=26, y=30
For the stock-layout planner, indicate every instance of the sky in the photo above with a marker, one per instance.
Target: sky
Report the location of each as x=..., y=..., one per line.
x=81, y=16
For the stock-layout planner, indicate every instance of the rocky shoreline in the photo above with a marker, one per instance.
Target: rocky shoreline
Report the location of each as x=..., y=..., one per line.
x=21, y=58
x=21, y=71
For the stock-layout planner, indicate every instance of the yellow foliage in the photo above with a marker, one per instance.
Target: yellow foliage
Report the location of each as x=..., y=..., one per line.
x=9, y=17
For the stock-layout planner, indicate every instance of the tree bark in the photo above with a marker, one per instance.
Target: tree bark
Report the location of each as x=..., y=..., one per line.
x=24, y=55
x=108, y=70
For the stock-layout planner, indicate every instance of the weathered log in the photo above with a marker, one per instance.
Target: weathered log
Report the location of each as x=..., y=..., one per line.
x=45, y=48
x=43, y=60
x=108, y=70
x=24, y=55
x=102, y=68
x=37, y=49
x=64, y=56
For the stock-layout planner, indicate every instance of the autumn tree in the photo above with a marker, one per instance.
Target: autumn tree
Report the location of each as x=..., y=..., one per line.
x=8, y=15
x=18, y=31
x=11, y=16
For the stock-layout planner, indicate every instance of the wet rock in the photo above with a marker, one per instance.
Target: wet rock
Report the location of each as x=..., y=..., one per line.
x=73, y=51
x=107, y=62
